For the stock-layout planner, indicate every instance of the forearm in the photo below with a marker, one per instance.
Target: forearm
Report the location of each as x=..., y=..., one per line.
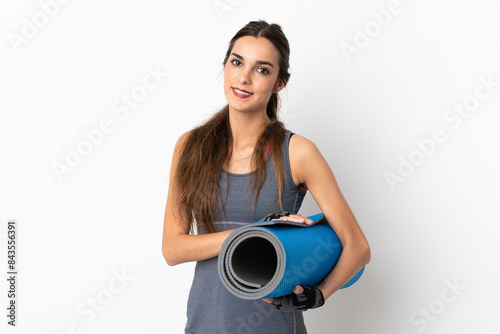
x=353, y=259
x=182, y=248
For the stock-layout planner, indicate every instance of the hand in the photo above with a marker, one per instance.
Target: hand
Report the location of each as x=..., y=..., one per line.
x=296, y=218
x=288, y=216
x=302, y=299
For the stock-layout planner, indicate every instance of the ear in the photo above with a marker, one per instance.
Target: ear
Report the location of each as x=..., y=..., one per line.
x=280, y=84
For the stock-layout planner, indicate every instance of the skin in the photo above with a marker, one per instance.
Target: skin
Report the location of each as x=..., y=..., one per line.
x=310, y=170
x=248, y=116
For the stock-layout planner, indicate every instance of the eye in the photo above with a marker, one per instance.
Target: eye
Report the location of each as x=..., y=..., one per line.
x=235, y=62
x=263, y=70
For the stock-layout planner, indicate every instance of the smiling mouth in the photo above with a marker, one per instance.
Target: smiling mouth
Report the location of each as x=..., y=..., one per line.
x=241, y=93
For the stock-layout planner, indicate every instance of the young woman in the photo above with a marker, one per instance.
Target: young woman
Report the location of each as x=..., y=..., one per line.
x=237, y=168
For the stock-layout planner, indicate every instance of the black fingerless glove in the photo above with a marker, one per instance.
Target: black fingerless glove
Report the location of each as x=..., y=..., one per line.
x=312, y=297
x=276, y=215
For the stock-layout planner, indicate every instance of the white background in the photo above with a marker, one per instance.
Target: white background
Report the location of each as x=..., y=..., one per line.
x=438, y=225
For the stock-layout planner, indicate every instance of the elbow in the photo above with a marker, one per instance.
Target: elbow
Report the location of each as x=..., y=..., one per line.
x=361, y=249
x=366, y=253
x=169, y=256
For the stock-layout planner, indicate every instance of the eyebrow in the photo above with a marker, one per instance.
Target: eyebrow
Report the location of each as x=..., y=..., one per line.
x=260, y=62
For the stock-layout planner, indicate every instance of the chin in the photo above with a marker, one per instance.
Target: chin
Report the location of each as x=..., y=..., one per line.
x=238, y=107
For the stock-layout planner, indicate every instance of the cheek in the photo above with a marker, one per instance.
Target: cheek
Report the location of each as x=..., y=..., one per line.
x=267, y=86
x=227, y=74
x=229, y=71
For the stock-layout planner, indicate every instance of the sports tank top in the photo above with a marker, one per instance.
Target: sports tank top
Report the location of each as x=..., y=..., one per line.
x=211, y=308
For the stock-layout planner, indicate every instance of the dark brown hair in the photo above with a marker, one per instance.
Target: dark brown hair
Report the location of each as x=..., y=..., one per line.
x=209, y=146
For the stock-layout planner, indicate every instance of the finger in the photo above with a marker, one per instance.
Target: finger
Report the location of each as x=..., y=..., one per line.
x=298, y=290
x=268, y=300
x=300, y=218
x=295, y=218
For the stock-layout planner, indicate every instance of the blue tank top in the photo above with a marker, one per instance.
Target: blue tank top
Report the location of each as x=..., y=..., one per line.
x=211, y=308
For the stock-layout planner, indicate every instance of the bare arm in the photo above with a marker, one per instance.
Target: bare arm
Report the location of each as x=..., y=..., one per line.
x=310, y=168
x=177, y=245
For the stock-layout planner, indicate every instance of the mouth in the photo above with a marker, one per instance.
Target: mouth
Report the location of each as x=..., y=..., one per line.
x=242, y=94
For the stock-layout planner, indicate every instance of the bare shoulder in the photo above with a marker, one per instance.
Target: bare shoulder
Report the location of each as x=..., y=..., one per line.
x=179, y=148
x=301, y=147
x=181, y=142
x=302, y=152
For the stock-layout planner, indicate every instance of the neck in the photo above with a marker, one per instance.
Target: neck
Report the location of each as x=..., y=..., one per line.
x=246, y=128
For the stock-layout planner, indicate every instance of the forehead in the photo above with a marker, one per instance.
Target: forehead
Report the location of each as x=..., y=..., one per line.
x=253, y=49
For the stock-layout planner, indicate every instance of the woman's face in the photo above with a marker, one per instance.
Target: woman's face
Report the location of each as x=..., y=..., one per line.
x=250, y=74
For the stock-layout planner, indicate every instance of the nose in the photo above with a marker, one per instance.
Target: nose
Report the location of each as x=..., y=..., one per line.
x=244, y=76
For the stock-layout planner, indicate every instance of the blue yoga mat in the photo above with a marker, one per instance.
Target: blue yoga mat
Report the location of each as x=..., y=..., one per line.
x=267, y=259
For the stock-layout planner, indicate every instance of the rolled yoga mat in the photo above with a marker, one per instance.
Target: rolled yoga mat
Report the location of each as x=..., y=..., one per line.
x=267, y=259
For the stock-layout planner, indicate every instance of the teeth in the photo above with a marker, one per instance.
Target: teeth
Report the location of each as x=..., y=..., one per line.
x=240, y=92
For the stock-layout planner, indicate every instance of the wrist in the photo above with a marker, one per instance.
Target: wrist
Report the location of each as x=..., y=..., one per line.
x=325, y=291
